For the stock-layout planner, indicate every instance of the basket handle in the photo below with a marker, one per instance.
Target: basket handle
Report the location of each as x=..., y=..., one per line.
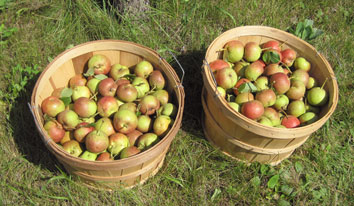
x=217, y=93
x=180, y=66
x=45, y=140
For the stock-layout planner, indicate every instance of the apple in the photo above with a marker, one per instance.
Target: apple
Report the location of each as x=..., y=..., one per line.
x=107, y=87
x=73, y=148
x=105, y=125
x=296, y=108
x=271, y=44
x=99, y=63
x=106, y=106
x=267, y=97
x=222, y=92
x=260, y=62
x=271, y=69
x=85, y=107
x=244, y=97
x=253, y=109
x=55, y=130
x=104, y=156
x=77, y=80
x=69, y=119
x=67, y=137
x=117, y=142
x=52, y=106
x=80, y=91
x=238, y=84
x=143, y=69
x=302, y=64
x=280, y=82
x=233, y=51
x=168, y=109
x=147, y=140
x=265, y=121
x=240, y=67
x=161, y=125
x=118, y=71
x=92, y=84
x=253, y=71
x=122, y=81
x=272, y=115
x=300, y=75
x=290, y=121
x=125, y=121
x=128, y=106
x=87, y=155
x=317, y=96
x=308, y=118
x=162, y=95
x=219, y=64
x=133, y=136
x=149, y=104
x=252, y=51
x=156, y=80
x=96, y=141
x=129, y=151
x=262, y=83
x=311, y=83
x=288, y=57
x=144, y=123
x=234, y=106
x=281, y=103
x=127, y=93
x=297, y=90
x=226, y=78
x=141, y=85
x=82, y=130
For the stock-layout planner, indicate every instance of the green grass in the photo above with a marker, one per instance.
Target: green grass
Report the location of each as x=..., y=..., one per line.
x=320, y=172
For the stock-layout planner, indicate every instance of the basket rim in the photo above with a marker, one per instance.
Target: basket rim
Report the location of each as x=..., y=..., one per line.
x=165, y=141
x=227, y=109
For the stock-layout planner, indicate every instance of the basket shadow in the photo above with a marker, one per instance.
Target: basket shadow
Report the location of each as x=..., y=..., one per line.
x=26, y=135
x=191, y=62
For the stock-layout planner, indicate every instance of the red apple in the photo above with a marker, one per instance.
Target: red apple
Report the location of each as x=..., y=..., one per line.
x=218, y=64
x=253, y=109
x=55, y=130
x=288, y=57
x=52, y=106
x=156, y=80
x=69, y=119
x=271, y=69
x=77, y=80
x=244, y=97
x=226, y=78
x=104, y=156
x=96, y=141
x=82, y=130
x=129, y=151
x=253, y=71
x=252, y=51
x=149, y=104
x=99, y=63
x=85, y=107
x=125, y=121
x=107, y=87
x=280, y=82
x=290, y=121
x=127, y=93
x=133, y=136
x=271, y=44
x=105, y=125
x=267, y=97
x=106, y=106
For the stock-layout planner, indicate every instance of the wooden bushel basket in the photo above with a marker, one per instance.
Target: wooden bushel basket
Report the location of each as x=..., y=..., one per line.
x=245, y=139
x=126, y=172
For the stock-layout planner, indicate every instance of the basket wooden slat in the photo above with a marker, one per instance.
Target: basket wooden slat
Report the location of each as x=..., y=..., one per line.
x=129, y=171
x=247, y=131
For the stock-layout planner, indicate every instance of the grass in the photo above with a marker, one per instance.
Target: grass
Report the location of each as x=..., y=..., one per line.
x=320, y=172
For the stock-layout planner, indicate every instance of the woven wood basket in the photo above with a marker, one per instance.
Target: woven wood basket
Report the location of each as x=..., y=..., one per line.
x=248, y=140
x=126, y=172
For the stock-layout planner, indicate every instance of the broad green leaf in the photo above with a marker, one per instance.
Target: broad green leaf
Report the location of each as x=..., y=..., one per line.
x=101, y=76
x=308, y=23
x=90, y=72
x=298, y=167
x=315, y=33
x=256, y=181
x=270, y=57
x=299, y=29
x=273, y=181
x=66, y=92
x=66, y=100
x=285, y=189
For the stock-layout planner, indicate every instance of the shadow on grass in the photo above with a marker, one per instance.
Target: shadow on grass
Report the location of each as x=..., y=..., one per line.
x=193, y=84
x=26, y=135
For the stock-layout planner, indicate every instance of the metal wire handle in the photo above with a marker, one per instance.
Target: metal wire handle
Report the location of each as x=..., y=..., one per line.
x=46, y=140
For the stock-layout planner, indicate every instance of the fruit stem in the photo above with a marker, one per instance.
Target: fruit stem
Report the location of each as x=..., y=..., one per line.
x=282, y=63
x=324, y=83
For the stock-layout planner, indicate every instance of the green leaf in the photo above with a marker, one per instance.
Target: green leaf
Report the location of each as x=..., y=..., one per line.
x=264, y=169
x=308, y=23
x=256, y=181
x=247, y=87
x=316, y=32
x=101, y=76
x=66, y=92
x=66, y=100
x=299, y=28
x=90, y=72
x=273, y=181
x=270, y=57
x=298, y=167
x=285, y=189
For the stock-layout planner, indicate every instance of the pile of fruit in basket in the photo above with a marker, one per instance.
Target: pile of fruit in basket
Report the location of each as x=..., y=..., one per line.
x=268, y=84
x=110, y=112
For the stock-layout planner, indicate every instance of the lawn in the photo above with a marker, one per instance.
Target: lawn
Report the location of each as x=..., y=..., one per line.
x=33, y=32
